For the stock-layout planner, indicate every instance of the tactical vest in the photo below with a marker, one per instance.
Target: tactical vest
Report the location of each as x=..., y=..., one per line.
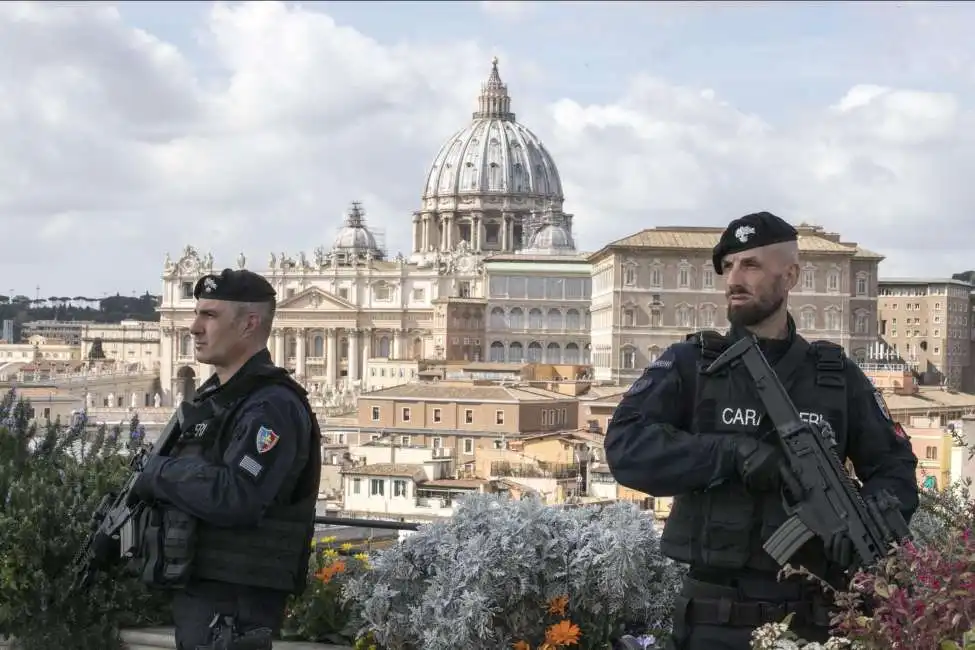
x=725, y=526
x=272, y=555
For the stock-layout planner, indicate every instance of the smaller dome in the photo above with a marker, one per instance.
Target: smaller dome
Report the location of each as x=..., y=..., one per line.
x=552, y=239
x=354, y=234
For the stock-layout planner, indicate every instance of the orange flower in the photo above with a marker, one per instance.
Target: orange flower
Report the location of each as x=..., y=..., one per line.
x=326, y=573
x=557, y=605
x=522, y=645
x=562, y=633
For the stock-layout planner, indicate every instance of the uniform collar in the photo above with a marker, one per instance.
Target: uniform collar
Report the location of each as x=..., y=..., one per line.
x=212, y=384
x=737, y=332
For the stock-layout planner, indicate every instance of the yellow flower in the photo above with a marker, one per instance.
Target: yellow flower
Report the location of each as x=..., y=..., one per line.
x=330, y=554
x=362, y=557
x=328, y=540
x=346, y=547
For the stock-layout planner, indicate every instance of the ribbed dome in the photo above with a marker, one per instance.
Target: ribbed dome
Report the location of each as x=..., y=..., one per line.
x=494, y=154
x=553, y=239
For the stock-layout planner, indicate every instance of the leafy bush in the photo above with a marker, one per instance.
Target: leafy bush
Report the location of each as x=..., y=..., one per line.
x=485, y=578
x=320, y=613
x=921, y=596
x=50, y=482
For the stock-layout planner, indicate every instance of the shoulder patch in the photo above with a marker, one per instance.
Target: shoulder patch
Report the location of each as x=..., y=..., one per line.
x=661, y=363
x=265, y=440
x=250, y=466
x=882, y=405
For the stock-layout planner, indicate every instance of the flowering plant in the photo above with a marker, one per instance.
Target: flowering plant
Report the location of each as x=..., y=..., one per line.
x=479, y=579
x=921, y=596
x=320, y=613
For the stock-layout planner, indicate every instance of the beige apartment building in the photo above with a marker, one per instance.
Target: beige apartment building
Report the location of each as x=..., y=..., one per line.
x=653, y=288
x=926, y=322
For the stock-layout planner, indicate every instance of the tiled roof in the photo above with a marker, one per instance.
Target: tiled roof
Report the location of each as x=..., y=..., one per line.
x=704, y=239
x=385, y=469
x=929, y=398
x=604, y=394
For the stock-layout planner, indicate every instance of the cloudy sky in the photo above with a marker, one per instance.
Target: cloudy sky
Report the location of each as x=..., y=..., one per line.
x=130, y=130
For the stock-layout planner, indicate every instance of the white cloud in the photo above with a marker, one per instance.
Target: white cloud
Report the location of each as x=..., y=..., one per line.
x=507, y=9
x=118, y=146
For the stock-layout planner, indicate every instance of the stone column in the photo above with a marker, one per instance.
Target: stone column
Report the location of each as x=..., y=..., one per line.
x=366, y=353
x=416, y=233
x=397, y=350
x=332, y=358
x=476, y=225
x=279, y=347
x=449, y=231
x=506, y=232
x=425, y=232
x=300, y=353
x=353, y=354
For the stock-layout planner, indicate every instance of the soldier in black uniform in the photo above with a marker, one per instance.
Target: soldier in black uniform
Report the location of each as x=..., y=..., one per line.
x=234, y=503
x=700, y=439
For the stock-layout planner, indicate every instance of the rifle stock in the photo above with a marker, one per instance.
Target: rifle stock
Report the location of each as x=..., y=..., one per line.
x=819, y=496
x=110, y=538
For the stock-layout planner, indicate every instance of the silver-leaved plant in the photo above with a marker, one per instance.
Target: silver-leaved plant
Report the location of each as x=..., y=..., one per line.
x=482, y=579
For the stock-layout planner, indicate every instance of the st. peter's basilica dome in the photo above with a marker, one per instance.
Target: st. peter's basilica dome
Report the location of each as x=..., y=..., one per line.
x=494, y=153
x=489, y=183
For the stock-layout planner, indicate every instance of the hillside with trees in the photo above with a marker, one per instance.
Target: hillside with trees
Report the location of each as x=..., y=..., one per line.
x=112, y=309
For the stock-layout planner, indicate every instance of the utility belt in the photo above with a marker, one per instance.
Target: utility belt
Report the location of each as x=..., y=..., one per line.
x=750, y=600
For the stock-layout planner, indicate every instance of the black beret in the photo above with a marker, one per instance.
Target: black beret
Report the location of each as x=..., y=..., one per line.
x=751, y=231
x=234, y=286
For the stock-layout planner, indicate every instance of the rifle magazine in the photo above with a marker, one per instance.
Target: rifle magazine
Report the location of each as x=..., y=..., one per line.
x=787, y=540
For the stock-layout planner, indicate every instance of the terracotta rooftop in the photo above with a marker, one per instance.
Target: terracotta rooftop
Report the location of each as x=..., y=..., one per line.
x=465, y=392
x=385, y=469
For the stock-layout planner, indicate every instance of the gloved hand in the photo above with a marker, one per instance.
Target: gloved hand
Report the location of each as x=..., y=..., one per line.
x=759, y=464
x=839, y=550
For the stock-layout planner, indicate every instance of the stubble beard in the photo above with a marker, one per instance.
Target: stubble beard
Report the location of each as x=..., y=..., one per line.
x=760, y=309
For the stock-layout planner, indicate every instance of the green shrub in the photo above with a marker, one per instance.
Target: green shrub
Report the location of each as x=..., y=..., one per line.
x=51, y=479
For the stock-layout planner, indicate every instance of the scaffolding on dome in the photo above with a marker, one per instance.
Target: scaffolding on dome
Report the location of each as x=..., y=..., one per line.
x=356, y=218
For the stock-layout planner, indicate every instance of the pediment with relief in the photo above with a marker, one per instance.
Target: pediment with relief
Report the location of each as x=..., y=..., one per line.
x=315, y=298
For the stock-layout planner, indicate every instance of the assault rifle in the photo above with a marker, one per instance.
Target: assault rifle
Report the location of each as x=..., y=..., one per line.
x=824, y=501
x=111, y=537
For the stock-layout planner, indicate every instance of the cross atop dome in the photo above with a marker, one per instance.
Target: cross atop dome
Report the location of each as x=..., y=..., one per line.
x=494, y=102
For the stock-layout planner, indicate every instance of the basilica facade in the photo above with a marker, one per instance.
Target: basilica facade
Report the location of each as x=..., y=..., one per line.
x=493, y=275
